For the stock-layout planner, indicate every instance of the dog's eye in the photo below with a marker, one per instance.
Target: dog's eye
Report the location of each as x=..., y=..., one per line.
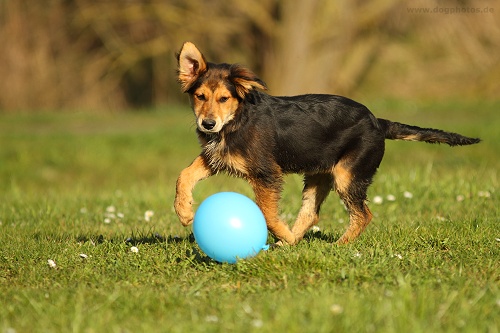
x=201, y=97
x=223, y=99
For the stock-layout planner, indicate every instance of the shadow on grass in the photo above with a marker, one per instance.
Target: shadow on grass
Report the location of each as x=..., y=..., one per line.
x=156, y=238
x=191, y=253
x=153, y=238
x=321, y=236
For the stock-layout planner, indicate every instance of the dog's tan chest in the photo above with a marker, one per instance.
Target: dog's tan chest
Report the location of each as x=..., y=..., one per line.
x=221, y=158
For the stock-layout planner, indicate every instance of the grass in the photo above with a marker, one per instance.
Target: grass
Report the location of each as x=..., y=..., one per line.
x=76, y=188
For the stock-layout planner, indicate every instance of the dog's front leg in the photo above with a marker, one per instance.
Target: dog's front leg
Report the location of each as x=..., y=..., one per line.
x=183, y=204
x=268, y=200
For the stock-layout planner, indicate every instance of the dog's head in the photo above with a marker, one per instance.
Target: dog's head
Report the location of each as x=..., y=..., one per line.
x=215, y=90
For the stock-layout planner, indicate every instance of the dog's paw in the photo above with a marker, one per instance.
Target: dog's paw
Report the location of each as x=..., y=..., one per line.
x=342, y=240
x=280, y=243
x=276, y=245
x=184, y=211
x=187, y=219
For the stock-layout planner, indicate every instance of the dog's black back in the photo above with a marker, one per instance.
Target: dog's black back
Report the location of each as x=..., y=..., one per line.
x=308, y=133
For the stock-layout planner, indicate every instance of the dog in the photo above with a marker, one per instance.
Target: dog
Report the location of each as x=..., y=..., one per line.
x=335, y=142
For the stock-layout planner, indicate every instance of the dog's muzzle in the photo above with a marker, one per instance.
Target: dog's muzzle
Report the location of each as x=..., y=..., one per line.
x=208, y=124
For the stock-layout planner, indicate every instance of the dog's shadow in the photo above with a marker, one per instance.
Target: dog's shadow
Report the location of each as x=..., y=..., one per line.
x=133, y=240
x=193, y=253
x=311, y=236
x=156, y=238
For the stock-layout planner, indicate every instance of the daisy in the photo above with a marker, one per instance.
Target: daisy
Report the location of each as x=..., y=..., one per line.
x=52, y=263
x=407, y=195
x=148, y=215
x=391, y=197
x=211, y=319
x=484, y=194
x=336, y=309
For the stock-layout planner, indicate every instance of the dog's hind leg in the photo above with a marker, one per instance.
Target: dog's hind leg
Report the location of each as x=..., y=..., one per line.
x=359, y=218
x=267, y=199
x=316, y=189
x=352, y=191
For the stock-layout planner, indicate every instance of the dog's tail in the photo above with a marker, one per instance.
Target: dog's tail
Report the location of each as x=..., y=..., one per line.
x=398, y=131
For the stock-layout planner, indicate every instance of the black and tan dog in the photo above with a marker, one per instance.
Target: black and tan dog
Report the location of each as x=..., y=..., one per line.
x=335, y=142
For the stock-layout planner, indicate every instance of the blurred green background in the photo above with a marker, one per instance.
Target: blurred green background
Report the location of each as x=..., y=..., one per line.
x=115, y=55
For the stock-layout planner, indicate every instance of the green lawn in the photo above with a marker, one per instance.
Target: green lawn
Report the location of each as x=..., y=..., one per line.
x=75, y=189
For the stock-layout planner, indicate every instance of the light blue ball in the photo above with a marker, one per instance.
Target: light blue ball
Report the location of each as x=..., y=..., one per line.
x=229, y=226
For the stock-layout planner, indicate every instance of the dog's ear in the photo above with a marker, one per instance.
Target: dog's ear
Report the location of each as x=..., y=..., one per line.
x=245, y=80
x=191, y=65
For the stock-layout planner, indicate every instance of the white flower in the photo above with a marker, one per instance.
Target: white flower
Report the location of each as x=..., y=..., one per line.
x=391, y=197
x=111, y=209
x=134, y=249
x=148, y=215
x=484, y=194
x=315, y=228
x=378, y=200
x=407, y=195
x=357, y=255
x=397, y=255
x=107, y=220
x=83, y=256
x=211, y=319
x=120, y=215
x=257, y=323
x=52, y=263
x=460, y=198
x=336, y=309
x=247, y=308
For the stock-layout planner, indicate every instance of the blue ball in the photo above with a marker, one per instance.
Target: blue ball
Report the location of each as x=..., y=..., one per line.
x=229, y=226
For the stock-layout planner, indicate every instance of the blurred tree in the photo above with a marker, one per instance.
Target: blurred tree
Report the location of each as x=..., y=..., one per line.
x=119, y=54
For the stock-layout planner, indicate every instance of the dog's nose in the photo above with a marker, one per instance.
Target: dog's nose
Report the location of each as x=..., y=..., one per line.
x=208, y=124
